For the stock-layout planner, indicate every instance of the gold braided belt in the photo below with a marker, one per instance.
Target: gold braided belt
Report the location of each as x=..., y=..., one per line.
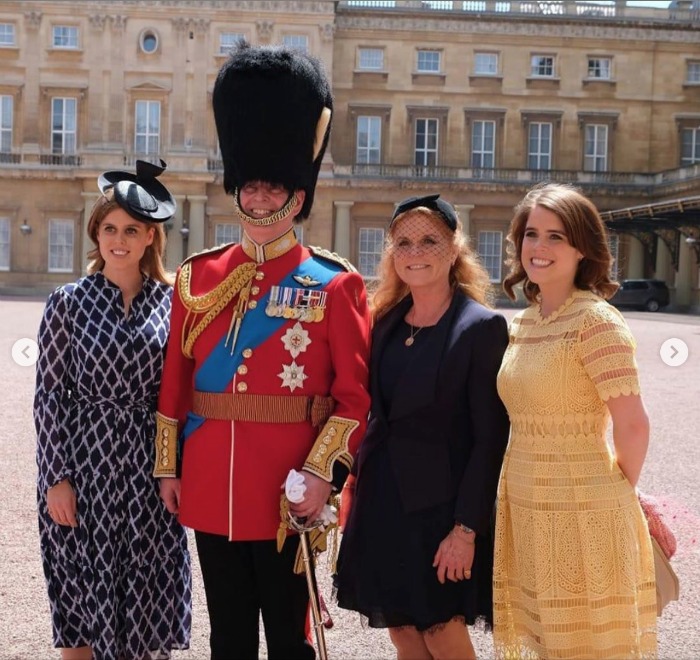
x=266, y=408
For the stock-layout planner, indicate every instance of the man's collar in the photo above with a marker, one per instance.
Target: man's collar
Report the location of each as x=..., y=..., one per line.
x=270, y=250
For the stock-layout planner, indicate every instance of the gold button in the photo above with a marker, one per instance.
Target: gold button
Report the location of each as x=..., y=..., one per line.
x=259, y=276
x=255, y=290
x=242, y=369
x=164, y=451
x=165, y=442
x=242, y=387
x=247, y=352
x=331, y=431
x=252, y=304
x=164, y=460
x=166, y=433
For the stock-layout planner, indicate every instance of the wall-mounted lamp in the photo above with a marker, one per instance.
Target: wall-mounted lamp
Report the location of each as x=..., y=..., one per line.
x=692, y=241
x=25, y=228
x=185, y=231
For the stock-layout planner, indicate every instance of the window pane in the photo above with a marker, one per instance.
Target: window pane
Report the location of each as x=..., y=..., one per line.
x=428, y=61
x=147, y=122
x=486, y=63
x=65, y=36
x=483, y=144
x=227, y=40
x=6, y=123
x=693, y=72
x=542, y=65
x=60, y=246
x=7, y=34
x=371, y=243
x=596, y=148
x=368, y=140
x=4, y=244
x=426, y=142
x=371, y=58
x=489, y=245
x=539, y=146
x=297, y=41
x=63, y=125
x=227, y=233
x=690, y=146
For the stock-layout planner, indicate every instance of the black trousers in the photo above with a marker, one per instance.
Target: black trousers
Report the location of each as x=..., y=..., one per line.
x=243, y=578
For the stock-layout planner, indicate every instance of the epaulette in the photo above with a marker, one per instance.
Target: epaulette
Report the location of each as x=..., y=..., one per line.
x=201, y=253
x=333, y=257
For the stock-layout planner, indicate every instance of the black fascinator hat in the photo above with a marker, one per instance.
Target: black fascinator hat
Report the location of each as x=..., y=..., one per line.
x=141, y=195
x=443, y=209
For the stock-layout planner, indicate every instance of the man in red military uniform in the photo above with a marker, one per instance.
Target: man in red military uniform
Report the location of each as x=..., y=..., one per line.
x=266, y=368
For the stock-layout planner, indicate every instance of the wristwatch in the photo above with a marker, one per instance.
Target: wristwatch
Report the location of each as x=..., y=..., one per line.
x=464, y=528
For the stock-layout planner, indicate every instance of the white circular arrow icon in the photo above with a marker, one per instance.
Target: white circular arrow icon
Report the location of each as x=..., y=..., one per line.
x=674, y=352
x=25, y=352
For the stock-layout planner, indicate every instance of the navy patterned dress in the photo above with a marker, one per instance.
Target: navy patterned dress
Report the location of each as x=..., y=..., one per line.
x=119, y=582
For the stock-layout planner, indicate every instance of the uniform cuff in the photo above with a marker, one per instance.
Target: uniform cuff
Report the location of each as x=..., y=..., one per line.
x=166, y=447
x=331, y=448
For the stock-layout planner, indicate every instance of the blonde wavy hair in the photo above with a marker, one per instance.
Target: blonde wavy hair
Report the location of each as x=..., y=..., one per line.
x=151, y=263
x=584, y=228
x=466, y=273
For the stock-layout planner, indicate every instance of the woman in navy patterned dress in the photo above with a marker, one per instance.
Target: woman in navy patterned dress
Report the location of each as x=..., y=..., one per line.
x=115, y=560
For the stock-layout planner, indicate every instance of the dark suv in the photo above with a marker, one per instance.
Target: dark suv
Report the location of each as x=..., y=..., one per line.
x=651, y=295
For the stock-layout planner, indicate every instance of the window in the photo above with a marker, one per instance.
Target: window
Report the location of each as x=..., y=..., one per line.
x=149, y=42
x=65, y=36
x=539, y=151
x=371, y=243
x=7, y=34
x=690, y=146
x=5, y=124
x=483, y=144
x=60, y=246
x=297, y=41
x=486, y=64
x=428, y=61
x=693, y=72
x=542, y=66
x=147, y=134
x=227, y=40
x=4, y=244
x=489, y=246
x=426, y=151
x=596, y=148
x=369, y=140
x=227, y=233
x=370, y=59
x=600, y=68
x=63, y=125
x=614, y=246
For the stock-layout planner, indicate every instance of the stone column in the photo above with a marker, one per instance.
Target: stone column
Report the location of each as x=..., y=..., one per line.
x=464, y=211
x=682, y=283
x=173, y=251
x=195, y=239
x=341, y=234
x=635, y=259
x=86, y=244
x=663, y=259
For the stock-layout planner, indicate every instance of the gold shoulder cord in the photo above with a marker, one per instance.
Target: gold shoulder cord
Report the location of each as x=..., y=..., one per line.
x=211, y=303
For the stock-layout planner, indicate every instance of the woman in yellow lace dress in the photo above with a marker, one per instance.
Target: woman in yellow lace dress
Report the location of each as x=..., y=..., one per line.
x=574, y=570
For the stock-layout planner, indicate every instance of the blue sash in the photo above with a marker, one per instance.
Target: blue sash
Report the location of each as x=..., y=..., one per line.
x=219, y=368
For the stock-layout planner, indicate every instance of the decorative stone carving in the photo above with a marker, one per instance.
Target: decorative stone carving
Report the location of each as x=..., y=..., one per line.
x=264, y=29
x=32, y=19
x=97, y=21
x=327, y=31
x=118, y=22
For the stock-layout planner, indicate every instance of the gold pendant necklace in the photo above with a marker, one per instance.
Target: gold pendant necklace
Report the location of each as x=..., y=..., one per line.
x=409, y=340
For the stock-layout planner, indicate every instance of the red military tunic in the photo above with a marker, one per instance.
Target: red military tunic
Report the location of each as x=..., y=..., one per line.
x=239, y=399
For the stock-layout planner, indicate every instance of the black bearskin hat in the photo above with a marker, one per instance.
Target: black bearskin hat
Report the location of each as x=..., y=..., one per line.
x=272, y=108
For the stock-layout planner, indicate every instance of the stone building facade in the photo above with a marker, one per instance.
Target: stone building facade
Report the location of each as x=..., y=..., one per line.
x=477, y=100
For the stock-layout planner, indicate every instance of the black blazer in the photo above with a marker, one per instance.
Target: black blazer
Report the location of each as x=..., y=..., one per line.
x=447, y=429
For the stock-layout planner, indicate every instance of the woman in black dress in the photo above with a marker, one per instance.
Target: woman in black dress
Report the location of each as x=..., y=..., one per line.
x=416, y=555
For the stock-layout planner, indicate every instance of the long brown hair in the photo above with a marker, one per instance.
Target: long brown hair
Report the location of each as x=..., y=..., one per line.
x=466, y=273
x=151, y=263
x=584, y=229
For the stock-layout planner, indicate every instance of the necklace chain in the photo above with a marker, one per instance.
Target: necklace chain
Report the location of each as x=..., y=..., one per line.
x=414, y=332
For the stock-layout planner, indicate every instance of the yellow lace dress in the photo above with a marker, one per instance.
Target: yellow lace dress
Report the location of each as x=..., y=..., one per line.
x=574, y=570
